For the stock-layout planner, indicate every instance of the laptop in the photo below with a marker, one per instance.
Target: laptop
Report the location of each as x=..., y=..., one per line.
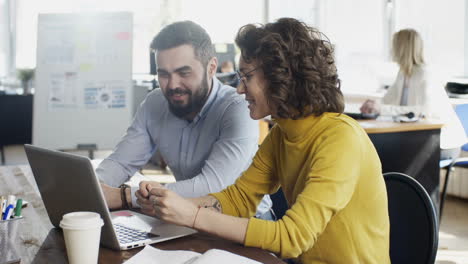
x=67, y=183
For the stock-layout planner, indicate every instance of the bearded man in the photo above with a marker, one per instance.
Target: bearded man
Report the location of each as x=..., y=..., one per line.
x=201, y=127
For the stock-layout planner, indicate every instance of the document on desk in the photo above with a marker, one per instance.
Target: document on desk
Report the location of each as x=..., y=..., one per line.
x=155, y=256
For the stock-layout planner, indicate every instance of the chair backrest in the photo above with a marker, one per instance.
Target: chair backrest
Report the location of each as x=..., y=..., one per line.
x=413, y=222
x=462, y=113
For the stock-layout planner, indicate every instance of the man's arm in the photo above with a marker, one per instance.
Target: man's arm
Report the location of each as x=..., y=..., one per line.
x=130, y=154
x=230, y=156
x=113, y=196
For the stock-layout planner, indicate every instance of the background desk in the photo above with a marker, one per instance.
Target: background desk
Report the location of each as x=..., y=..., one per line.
x=41, y=243
x=15, y=120
x=410, y=148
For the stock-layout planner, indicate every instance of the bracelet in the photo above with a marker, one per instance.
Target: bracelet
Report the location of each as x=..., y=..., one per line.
x=123, y=196
x=195, y=219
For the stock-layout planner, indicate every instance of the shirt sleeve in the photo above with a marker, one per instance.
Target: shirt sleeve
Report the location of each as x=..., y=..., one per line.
x=131, y=153
x=330, y=184
x=230, y=155
x=241, y=198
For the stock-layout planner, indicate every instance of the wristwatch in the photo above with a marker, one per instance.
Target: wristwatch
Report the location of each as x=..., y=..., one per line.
x=123, y=195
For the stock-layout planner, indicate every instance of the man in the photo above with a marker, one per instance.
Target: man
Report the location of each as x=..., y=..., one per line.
x=201, y=128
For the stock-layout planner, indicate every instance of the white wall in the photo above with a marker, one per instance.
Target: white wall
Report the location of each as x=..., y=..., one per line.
x=7, y=40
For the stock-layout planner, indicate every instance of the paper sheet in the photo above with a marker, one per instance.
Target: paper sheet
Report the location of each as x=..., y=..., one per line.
x=151, y=255
x=213, y=256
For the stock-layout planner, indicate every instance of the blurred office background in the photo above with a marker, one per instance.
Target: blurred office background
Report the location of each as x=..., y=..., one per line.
x=360, y=30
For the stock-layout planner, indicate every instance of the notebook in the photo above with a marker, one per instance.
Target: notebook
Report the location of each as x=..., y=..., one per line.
x=68, y=183
x=151, y=255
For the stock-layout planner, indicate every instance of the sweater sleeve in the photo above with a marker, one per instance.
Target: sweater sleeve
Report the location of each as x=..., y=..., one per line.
x=331, y=180
x=241, y=198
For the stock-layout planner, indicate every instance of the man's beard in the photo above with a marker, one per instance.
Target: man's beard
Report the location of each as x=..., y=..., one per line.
x=195, y=101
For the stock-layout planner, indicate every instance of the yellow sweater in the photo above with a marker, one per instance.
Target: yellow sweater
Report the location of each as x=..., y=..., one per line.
x=331, y=177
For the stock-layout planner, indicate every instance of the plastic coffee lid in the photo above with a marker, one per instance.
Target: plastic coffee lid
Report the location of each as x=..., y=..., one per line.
x=81, y=220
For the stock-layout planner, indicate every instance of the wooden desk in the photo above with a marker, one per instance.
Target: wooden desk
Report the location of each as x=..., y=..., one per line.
x=379, y=126
x=41, y=243
x=410, y=148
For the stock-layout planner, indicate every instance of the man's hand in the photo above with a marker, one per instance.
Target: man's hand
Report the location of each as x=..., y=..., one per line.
x=112, y=195
x=370, y=107
x=172, y=208
x=143, y=196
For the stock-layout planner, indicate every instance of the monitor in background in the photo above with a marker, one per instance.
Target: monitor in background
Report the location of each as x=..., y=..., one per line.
x=225, y=52
x=153, y=71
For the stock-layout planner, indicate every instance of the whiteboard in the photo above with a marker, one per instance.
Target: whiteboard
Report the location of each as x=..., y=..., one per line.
x=83, y=79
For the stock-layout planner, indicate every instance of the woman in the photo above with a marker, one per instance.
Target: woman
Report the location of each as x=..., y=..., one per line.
x=417, y=90
x=324, y=161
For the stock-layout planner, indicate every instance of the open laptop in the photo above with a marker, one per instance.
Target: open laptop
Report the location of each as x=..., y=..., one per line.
x=67, y=183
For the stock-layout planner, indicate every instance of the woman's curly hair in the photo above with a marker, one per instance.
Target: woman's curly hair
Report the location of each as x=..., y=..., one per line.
x=298, y=65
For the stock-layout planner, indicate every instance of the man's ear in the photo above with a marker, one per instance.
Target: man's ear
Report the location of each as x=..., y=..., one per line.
x=212, y=67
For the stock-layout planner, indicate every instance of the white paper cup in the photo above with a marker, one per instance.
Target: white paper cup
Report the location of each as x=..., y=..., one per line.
x=82, y=232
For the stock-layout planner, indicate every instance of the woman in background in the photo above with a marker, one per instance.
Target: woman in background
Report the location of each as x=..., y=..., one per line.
x=323, y=160
x=417, y=90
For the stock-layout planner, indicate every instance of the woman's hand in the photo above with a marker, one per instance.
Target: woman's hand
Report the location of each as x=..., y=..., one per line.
x=370, y=107
x=172, y=208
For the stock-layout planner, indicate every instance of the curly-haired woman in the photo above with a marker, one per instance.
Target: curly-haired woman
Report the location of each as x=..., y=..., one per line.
x=323, y=160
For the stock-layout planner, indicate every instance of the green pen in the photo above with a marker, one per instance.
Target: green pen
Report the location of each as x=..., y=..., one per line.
x=19, y=205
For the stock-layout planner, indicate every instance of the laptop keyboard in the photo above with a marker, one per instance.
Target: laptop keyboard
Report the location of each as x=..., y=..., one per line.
x=128, y=235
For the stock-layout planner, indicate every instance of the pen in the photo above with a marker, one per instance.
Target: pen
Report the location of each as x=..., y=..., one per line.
x=19, y=205
x=9, y=207
x=3, y=200
x=11, y=200
x=8, y=212
x=1, y=207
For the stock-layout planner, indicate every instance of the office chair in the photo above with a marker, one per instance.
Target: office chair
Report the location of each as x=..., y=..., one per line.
x=280, y=205
x=450, y=164
x=413, y=221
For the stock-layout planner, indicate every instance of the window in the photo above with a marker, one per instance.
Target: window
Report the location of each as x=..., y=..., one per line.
x=360, y=30
x=441, y=25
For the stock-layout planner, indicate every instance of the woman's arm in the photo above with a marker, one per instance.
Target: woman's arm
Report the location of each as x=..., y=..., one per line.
x=203, y=214
x=215, y=215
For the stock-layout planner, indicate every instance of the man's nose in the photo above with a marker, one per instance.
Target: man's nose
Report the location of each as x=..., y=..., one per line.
x=173, y=82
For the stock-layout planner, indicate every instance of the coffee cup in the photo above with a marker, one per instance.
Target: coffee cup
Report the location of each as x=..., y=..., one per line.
x=82, y=232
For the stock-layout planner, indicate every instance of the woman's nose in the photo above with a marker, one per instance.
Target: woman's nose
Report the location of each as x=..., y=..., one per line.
x=240, y=88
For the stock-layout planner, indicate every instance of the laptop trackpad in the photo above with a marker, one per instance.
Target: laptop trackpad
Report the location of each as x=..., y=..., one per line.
x=148, y=224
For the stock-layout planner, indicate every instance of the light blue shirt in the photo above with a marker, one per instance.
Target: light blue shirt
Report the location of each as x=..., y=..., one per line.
x=205, y=155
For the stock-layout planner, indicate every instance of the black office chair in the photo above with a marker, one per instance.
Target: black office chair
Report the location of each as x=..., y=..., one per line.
x=413, y=222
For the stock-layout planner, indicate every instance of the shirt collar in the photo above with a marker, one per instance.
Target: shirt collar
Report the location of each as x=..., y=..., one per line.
x=216, y=84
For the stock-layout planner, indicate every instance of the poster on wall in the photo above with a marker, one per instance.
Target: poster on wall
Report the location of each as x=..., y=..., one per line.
x=63, y=92
x=104, y=95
